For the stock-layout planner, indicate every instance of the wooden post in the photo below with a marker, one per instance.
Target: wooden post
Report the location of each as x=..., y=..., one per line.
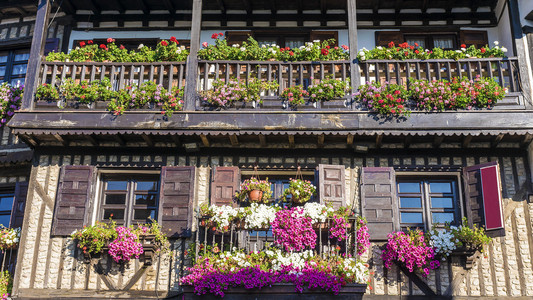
x=37, y=50
x=520, y=51
x=192, y=60
x=352, y=36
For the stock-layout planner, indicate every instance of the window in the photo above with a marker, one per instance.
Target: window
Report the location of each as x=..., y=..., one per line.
x=13, y=65
x=129, y=199
x=424, y=203
x=446, y=40
x=430, y=41
x=6, y=205
x=133, y=44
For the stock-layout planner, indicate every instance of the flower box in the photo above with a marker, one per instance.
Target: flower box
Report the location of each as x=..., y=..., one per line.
x=149, y=248
x=467, y=254
x=281, y=291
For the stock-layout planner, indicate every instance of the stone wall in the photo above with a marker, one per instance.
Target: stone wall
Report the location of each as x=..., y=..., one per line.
x=53, y=264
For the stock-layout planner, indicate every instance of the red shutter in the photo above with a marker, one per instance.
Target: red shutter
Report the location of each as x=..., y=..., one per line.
x=483, y=197
x=378, y=201
x=332, y=185
x=19, y=203
x=225, y=181
x=176, y=200
x=73, y=196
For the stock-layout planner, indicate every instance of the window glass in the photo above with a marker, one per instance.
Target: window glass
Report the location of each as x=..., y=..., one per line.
x=409, y=187
x=294, y=42
x=17, y=82
x=6, y=202
x=443, y=218
x=440, y=187
x=412, y=41
x=19, y=69
x=117, y=185
x=411, y=217
x=115, y=199
x=147, y=185
x=5, y=220
x=406, y=202
x=443, y=42
x=150, y=200
x=2, y=71
x=115, y=214
x=441, y=202
x=3, y=58
x=22, y=56
x=144, y=215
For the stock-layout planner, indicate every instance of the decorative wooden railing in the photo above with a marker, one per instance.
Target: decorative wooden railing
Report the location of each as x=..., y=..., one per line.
x=173, y=74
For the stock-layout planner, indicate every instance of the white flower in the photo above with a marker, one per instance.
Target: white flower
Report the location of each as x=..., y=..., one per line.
x=316, y=41
x=243, y=49
x=260, y=216
x=140, y=46
x=463, y=49
x=316, y=211
x=263, y=46
x=496, y=43
x=235, y=45
x=379, y=48
x=504, y=49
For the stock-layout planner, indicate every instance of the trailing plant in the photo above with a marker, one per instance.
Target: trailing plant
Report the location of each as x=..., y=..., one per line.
x=362, y=236
x=338, y=229
x=6, y=284
x=328, y=89
x=46, y=91
x=299, y=190
x=253, y=183
x=11, y=98
x=405, y=51
x=125, y=246
x=293, y=231
x=385, y=99
x=9, y=237
x=411, y=251
x=294, y=95
x=92, y=239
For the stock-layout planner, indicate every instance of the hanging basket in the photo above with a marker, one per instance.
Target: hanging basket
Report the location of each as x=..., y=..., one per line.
x=255, y=196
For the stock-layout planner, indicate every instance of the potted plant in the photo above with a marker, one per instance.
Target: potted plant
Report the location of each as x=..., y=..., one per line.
x=299, y=190
x=255, y=190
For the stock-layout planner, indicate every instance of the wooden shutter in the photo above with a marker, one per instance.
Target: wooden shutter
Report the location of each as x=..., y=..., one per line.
x=383, y=38
x=473, y=37
x=19, y=203
x=225, y=181
x=332, y=185
x=378, y=201
x=237, y=37
x=73, y=198
x=483, y=197
x=176, y=200
x=325, y=35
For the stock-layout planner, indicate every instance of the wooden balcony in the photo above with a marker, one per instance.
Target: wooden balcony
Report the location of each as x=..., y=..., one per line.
x=173, y=74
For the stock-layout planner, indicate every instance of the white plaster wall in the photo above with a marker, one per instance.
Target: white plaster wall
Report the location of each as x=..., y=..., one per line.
x=525, y=7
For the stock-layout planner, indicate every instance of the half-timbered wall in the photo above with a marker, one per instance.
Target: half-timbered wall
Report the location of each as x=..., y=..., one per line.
x=50, y=262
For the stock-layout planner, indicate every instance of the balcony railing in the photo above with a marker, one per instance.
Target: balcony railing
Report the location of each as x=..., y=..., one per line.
x=173, y=74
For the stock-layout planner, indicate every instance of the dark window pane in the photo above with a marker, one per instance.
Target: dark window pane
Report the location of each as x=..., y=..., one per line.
x=19, y=69
x=409, y=187
x=440, y=187
x=147, y=185
x=443, y=217
x=406, y=202
x=150, y=200
x=117, y=185
x=3, y=58
x=5, y=220
x=144, y=214
x=22, y=56
x=6, y=202
x=115, y=199
x=411, y=217
x=2, y=71
x=115, y=214
x=421, y=41
x=17, y=82
x=441, y=202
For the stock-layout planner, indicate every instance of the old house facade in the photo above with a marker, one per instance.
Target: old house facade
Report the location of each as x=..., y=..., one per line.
x=81, y=154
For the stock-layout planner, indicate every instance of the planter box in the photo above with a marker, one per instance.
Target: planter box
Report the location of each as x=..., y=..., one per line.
x=281, y=291
x=149, y=248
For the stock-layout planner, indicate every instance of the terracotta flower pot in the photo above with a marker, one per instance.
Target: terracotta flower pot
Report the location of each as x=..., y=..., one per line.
x=255, y=195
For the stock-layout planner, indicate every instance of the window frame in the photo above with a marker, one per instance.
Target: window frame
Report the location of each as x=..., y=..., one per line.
x=129, y=207
x=426, y=178
x=8, y=191
x=11, y=63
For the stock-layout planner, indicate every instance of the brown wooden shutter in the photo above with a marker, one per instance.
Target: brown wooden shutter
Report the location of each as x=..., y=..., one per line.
x=73, y=198
x=483, y=197
x=225, y=181
x=19, y=203
x=237, y=37
x=378, y=201
x=383, y=38
x=176, y=200
x=332, y=185
x=473, y=37
x=325, y=35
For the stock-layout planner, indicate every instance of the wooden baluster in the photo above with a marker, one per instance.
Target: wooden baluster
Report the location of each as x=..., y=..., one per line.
x=227, y=72
x=63, y=73
x=151, y=74
x=480, y=69
x=387, y=72
x=333, y=70
x=141, y=75
x=247, y=73
x=289, y=83
x=206, y=76
x=407, y=73
x=437, y=68
x=376, y=71
x=181, y=75
x=418, y=75
x=459, y=69
x=170, y=77
x=280, y=79
x=102, y=74
x=73, y=73
x=500, y=73
x=301, y=74
x=231, y=236
x=428, y=71
x=83, y=73
x=93, y=73
x=366, y=71
x=469, y=70
x=321, y=71
x=161, y=74
x=217, y=71
x=112, y=77
x=489, y=69
x=398, y=73
x=44, y=75
x=449, y=68
x=512, y=82
x=132, y=75
x=238, y=72
x=205, y=239
x=121, y=78
x=269, y=77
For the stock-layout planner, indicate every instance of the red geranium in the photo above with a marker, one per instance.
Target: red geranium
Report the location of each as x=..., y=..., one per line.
x=291, y=53
x=214, y=36
x=325, y=52
x=173, y=39
x=122, y=47
x=221, y=34
x=82, y=43
x=110, y=40
x=90, y=42
x=102, y=46
x=463, y=46
x=164, y=43
x=391, y=45
x=483, y=50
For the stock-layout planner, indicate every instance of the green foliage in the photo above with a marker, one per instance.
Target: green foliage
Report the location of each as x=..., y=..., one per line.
x=253, y=183
x=300, y=191
x=93, y=239
x=46, y=91
x=294, y=95
x=6, y=284
x=384, y=99
x=224, y=93
x=470, y=236
x=328, y=89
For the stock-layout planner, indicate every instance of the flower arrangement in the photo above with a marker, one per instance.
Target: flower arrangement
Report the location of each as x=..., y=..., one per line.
x=11, y=98
x=166, y=50
x=299, y=190
x=220, y=216
x=451, y=238
x=317, y=212
x=294, y=95
x=293, y=230
x=405, y=51
x=328, y=89
x=216, y=272
x=385, y=99
x=9, y=237
x=223, y=94
x=260, y=216
x=122, y=243
x=338, y=230
x=46, y=91
x=410, y=250
x=6, y=284
x=252, y=184
x=252, y=50
x=362, y=236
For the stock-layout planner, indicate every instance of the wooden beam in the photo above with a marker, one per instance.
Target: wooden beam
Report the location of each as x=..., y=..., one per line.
x=222, y=6
x=262, y=140
x=205, y=140
x=36, y=53
x=496, y=140
x=148, y=140
x=323, y=10
x=352, y=36
x=143, y=7
x=466, y=141
x=408, y=141
x=60, y=139
x=520, y=51
x=234, y=140
x=438, y=141
x=29, y=139
x=92, y=139
x=527, y=140
x=170, y=7
x=68, y=8
x=291, y=141
x=379, y=140
x=320, y=142
x=192, y=59
x=349, y=139
x=92, y=6
x=176, y=140
x=119, y=139
x=247, y=6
